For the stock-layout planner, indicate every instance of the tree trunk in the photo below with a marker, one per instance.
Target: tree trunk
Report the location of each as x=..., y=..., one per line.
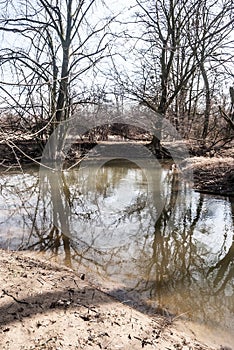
x=208, y=102
x=155, y=145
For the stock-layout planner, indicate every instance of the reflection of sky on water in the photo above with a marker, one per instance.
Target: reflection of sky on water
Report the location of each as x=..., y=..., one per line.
x=215, y=222
x=148, y=232
x=114, y=225
x=115, y=202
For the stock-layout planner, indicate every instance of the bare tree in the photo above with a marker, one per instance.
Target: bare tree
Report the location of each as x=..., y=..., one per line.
x=209, y=38
x=53, y=50
x=178, y=51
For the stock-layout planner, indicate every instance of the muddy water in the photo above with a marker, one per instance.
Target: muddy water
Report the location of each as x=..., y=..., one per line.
x=141, y=231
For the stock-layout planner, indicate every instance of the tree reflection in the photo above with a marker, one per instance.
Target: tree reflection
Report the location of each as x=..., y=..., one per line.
x=174, y=254
x=175, y=271
x=156, y=234
x=223, y=271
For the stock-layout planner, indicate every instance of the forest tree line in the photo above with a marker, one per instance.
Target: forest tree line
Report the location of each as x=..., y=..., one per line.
x=173, y=57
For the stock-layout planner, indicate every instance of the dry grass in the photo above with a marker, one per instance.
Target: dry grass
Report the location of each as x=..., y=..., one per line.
x=211, y=174
x=207, y=163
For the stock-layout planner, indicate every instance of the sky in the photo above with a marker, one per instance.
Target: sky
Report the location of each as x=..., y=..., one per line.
x=122, y=57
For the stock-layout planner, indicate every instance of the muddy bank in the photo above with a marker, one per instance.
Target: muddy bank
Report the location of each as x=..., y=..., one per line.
x=46, y=306
x=29, y=152
x=211, y=175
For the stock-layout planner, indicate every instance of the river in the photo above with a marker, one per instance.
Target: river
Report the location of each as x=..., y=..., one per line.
x=142, y=233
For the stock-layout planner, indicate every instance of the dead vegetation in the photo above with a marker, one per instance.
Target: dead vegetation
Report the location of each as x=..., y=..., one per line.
x=212, y=174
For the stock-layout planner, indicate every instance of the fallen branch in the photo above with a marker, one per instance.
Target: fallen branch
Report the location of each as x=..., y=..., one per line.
x=228, y=119
x=12, y=296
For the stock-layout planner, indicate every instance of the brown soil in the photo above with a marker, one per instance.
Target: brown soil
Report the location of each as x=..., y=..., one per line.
x=29, y=152
x=46, y=306
x=212, y=175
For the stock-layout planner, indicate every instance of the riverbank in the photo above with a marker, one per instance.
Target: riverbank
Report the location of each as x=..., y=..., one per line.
x=212, y=175
x=212, y=171
x=46, y=306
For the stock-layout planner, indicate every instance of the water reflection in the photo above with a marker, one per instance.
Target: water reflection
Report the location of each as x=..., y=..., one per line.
x=148, y=232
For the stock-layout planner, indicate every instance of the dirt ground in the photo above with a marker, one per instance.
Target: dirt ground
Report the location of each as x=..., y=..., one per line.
x=213, y=175
x=46, y=306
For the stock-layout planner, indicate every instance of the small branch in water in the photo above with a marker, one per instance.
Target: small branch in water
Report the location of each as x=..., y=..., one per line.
x=180, y=315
